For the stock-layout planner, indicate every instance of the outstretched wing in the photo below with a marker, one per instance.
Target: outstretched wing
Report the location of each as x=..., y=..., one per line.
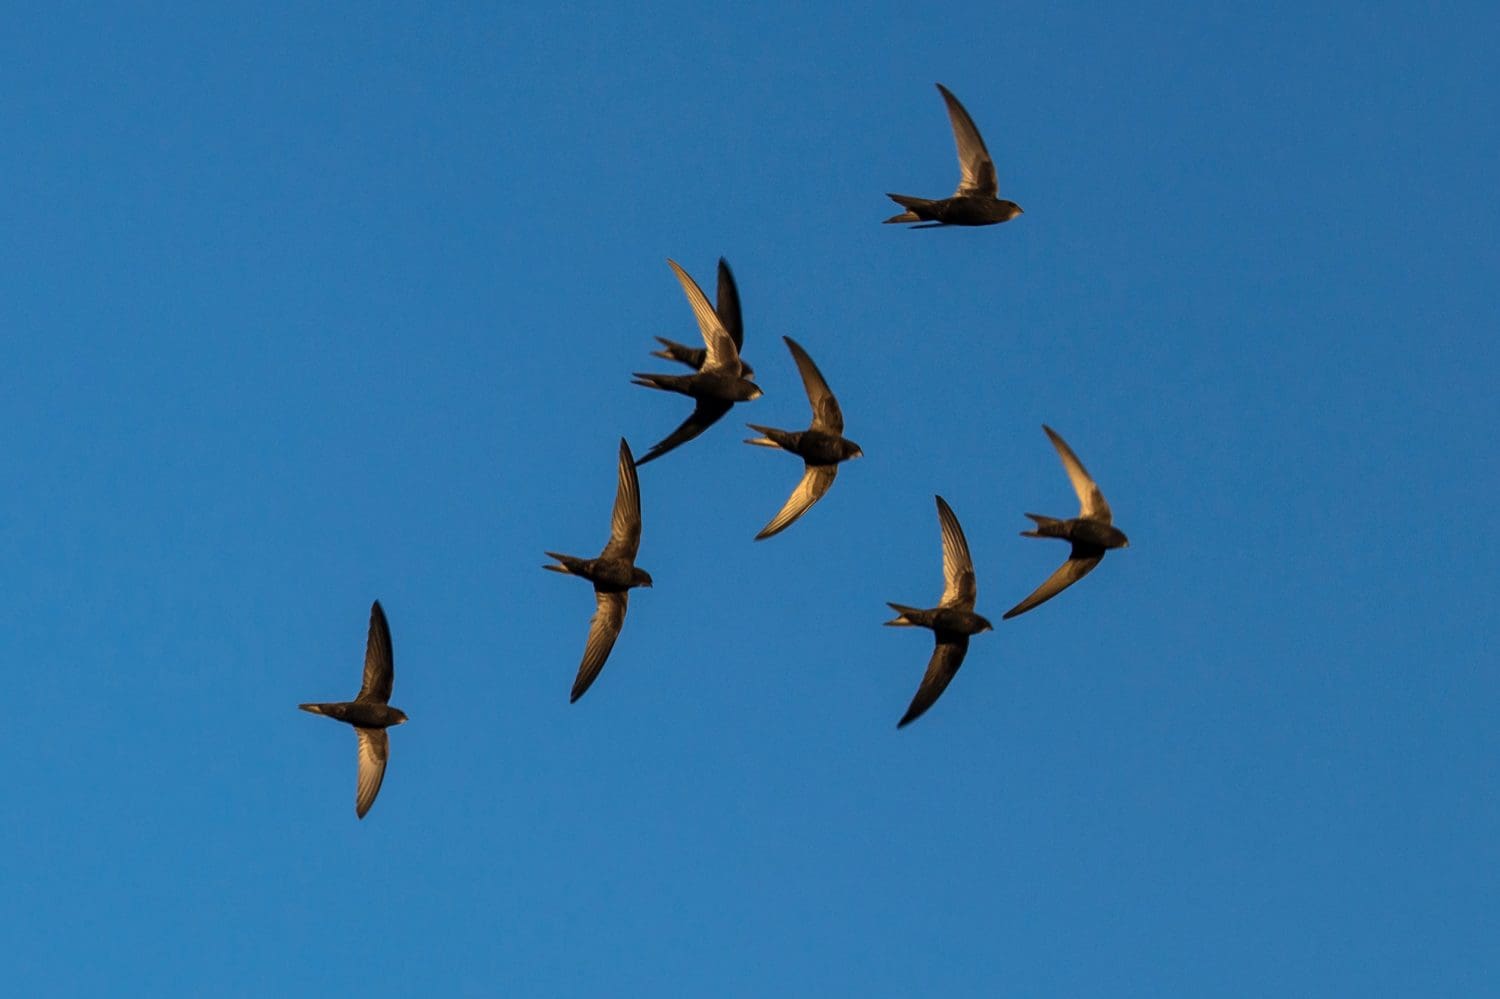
x=816, y=480
x=604, y=628
x=703, y=416
x=826, y=413
x=728, y=306
x=374, y=750
x=1067, y=574
x=625, y=525
x=380, y=663
x=978, y=178
x=960, y=587
x=947, y=657
x=722, y=355
x=1091, y=505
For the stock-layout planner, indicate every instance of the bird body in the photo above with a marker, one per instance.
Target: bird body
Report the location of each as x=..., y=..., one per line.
x=370, y=713
x=977, y=199
x=1091, y=533
x=816, y=447
x=613, y=573
x=822, y=446
x=957, y=210
x=363, y=714
x=952, y=621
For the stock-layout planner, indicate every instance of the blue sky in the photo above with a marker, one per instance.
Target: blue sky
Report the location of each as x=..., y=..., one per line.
x=305, y=308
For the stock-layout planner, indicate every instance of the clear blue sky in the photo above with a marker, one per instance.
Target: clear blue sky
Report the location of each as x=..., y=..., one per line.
x=301, y=309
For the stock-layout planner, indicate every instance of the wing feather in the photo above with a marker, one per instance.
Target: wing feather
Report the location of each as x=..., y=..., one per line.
x=380, y=664
x=947, y=657
x=978, y=178
x=825, y=408
x=1063, y=577
x=961, y=588
x=604, y=628
x=374, y=751
x=625, y=523
x=722, y=353
x=816, y=480
x=1091, y=504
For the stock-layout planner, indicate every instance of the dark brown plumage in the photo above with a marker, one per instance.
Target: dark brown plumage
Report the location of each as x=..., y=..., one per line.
x=977, y=200
x=370, y=712
x=952, y=621
x=1091, y=533
x=613, y=574
x=718, y=384
x=822, y=446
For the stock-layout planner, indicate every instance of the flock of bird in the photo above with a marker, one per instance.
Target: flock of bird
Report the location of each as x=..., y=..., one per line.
x=720, y=379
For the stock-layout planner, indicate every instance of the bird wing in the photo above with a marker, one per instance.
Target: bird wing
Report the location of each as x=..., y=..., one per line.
x=604, y=628
x=826, y=413
x=973, y=158
x=961, y=588
x=816, y=480
x=1070, y=572
x=728, y=306
x=380, y=664
x=374, y=750
x=625, y=525
x=722, y=353
x=1091, y=505
x=703, y=416
x=947, y=657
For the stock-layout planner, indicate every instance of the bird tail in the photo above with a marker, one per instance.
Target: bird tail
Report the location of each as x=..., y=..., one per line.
x=769, y=436
x=674, y=351
x=912, y=206
x=906, y=617
x=567, y=564
x=316, y=709
x=667, y=383
x=1046, y=527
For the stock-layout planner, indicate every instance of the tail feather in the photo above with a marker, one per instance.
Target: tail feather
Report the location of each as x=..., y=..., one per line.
x=906, y=616
x=1046, y=527
x=912, y=206
x=764, y=441
x=567, y=564
x=316, y=709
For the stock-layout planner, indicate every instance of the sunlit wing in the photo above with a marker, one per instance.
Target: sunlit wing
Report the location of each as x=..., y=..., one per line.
x=374, y=750
x=604, y=628
x=1091, y=505
x=722, y=353
x=973, y=158
x=960, y=587
x=816, y=480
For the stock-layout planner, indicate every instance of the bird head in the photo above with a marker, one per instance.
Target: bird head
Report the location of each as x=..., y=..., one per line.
x=984, y=623
x=401, y=718
x=641, y=578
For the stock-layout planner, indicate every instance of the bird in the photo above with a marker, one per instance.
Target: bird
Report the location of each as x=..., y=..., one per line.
x=821, y=446
x=370, y=713
x=977, y=200
x=718, y=384
x=728, y=310
x=952, y=621
x=613, y=573
x=1091, y=533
